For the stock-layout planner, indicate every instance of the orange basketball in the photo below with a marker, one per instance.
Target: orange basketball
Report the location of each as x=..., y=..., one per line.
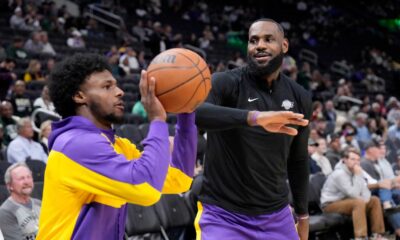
x=182, y=79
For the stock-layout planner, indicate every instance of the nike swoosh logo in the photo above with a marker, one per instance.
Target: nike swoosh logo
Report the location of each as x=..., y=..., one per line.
x=252, y=99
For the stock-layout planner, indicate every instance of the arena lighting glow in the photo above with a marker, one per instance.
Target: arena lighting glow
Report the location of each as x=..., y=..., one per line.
x=391, y=24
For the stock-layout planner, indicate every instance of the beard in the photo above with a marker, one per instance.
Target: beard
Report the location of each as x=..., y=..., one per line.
x=110, y=117
x=26, y=191
x=259, y=70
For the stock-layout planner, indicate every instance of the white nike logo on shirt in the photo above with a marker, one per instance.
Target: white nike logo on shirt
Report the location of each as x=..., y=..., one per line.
x=252, y=99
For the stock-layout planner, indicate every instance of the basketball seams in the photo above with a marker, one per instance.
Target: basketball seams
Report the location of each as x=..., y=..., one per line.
x=196, y=65
x=184, y=93
x=191, y=97
x=183, y=83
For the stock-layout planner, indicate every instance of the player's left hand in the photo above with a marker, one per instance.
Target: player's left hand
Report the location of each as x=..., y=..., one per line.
x=303, y=228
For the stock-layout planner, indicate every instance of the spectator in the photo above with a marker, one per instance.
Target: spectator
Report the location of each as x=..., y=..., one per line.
x=7, y=76
x=386, y=184
x=128, y=62
x=34, y=71
x=334, y=150
x=312, y=148
x=16, y=50
x=44, y=101
x=394, y=130
x=23, y=147
x=32, y=20
x=20, y=100
x=17, y=20
x=396, y=164
x=347, y=139
x=49, y=66
x=346, y=192
x=143, y=63
x=19, y=214
x=45, y=130
x=34, y=44
x=139, y=31
x=138, y=109
x=319, y=157
x=47, y=47
x=363, y=135
x=93, y=30
x=9, y=122
x=76, y=40
x=330, y=115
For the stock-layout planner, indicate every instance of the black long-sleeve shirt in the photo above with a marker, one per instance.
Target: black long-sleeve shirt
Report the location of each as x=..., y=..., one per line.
x=246, y=167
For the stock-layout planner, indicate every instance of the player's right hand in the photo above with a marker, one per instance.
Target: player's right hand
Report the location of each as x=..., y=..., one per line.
x=153, y=107
x=277, y=121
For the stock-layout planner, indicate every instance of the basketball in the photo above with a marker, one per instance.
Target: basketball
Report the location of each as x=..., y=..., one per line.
x=182, y=79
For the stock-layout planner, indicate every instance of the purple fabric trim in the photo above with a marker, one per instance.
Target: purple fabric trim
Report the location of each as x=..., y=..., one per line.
x=185, y=144
x=217, y=223
x=98, y=221
x=85, y=145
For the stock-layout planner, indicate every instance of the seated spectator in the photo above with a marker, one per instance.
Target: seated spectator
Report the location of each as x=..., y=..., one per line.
x=9, y=122
x=139, y=110
x=7, y=76
x=34, y=71
x=19, y=214
x=16, y=50
x=347, y=139
x=34, y=44
x=363, y=135
x=47, y=47
x=45, y=130
x=333, y=153
x=345, y=191
x=44, y=101
x=20, y=100
x=394, y=130
x=396, y=165
x=17, y=20
x=23, y=147
x=76, y=40
x=312, y=148
x=386, y=186
x=319, y=157
x=128, y=62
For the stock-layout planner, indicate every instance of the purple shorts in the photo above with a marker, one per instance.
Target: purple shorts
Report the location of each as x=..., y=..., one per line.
x=213, y=222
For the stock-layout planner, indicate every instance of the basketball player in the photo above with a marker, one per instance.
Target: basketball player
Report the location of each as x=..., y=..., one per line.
x=91, y=174
x=244, y=193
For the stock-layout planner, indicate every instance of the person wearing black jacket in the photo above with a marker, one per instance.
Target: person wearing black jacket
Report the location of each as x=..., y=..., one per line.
x=251, y=152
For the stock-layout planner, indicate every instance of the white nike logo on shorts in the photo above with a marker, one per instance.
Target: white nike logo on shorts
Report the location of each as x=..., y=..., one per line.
x=252, y=99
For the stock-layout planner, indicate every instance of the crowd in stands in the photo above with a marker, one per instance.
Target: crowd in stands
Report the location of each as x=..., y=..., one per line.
x=351, y=108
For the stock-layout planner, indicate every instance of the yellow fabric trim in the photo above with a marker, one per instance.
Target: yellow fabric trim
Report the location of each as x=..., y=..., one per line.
x=176, y=181
x=81, y=178
x=197, y=220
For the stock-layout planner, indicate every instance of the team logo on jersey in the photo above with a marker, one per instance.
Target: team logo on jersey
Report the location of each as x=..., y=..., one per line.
x=286, y=104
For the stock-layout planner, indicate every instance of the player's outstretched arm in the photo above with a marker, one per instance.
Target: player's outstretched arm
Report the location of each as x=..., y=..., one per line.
x=277, y=121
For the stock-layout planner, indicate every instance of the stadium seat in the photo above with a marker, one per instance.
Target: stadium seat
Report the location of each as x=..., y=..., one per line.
x=3, y=167
x=38, y=168
x=175, y=215
x=144, y=129
x=38, y=190
x=4, y=194
x=131, y=132
x=323, y=225
x=143, y=223
x=133, y=118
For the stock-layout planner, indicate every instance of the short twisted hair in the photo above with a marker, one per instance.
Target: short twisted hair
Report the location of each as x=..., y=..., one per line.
x=68, y=75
